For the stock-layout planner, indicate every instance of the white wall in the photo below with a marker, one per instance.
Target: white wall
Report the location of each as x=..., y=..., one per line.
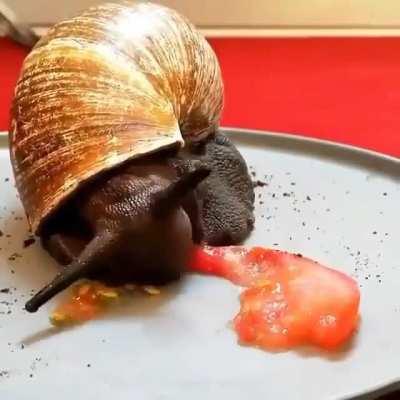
x=246, y=13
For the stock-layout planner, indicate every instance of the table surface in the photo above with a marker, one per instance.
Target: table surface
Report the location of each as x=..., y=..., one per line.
x=341, y=89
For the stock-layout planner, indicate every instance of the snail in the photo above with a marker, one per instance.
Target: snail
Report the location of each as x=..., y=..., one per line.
x=116, y=149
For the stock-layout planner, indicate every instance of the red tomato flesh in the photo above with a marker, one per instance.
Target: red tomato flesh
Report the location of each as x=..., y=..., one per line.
x=290, y=301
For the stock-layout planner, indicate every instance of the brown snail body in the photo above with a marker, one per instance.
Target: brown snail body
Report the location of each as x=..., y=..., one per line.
x=115, y=147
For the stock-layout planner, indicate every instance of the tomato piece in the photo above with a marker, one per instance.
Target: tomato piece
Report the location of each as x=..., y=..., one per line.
x=227, y=262
x=291, y=300
x=209, y=260
x=89, y=299
x=86, y=301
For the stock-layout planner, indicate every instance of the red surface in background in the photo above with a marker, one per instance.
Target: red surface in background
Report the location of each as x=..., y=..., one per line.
x=346, y=90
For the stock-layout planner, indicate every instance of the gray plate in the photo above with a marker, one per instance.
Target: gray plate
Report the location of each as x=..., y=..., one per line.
x=337, y=204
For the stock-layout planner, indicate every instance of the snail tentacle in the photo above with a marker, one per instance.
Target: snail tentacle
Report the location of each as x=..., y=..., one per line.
x=96, y=250
x=174, y=194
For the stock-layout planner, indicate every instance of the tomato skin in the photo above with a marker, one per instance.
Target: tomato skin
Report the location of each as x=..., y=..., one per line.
x=290, y=300
x=208, y=260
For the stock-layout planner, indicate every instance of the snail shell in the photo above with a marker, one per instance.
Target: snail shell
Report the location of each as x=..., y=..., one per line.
x=113, y=84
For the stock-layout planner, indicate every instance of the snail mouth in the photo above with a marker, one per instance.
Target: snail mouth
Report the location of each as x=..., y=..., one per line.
x=154, y=250
x=156, y=255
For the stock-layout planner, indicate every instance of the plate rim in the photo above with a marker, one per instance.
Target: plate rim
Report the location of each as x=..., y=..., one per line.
x=301, y=138
x=386, y=388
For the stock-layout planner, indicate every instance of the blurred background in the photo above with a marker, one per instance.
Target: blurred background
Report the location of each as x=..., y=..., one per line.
x=241, y=14
x=322, y=68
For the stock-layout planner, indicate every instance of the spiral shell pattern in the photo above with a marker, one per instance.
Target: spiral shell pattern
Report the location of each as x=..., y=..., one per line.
x=115, y=83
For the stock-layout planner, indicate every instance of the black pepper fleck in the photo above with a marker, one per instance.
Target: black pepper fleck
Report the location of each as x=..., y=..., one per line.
x=14, y=256
x=4, y=374
x=29, y=242
x=259, y=183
